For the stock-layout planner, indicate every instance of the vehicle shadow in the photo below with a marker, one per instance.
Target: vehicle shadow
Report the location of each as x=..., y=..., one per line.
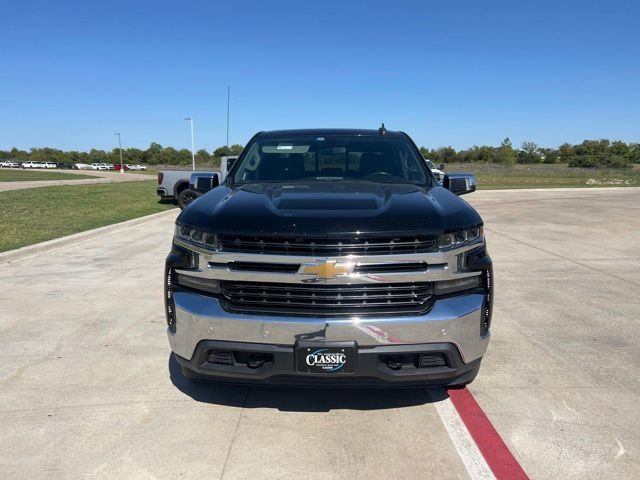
x=292, y=399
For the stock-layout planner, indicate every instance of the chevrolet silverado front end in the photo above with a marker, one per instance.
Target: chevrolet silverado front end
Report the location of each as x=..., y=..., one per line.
x=330, y=257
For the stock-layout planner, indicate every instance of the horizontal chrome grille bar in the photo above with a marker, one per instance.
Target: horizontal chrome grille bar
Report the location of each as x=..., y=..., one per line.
x=324, y=246
x=321, y=299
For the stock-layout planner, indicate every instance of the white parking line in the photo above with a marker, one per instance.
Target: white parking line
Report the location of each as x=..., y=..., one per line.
x=467, y=449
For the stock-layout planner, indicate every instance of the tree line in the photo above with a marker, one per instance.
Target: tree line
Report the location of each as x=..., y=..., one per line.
x=156, y=154
x=590, y=153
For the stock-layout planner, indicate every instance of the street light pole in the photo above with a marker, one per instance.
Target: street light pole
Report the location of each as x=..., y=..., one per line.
x=120, y=147
x=193, y=148
x=228, y=103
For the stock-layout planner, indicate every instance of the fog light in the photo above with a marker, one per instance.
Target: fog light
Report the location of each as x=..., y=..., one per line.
x=450, y=286
x=198, y=283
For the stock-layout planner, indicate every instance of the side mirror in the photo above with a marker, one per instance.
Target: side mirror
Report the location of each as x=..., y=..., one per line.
x=203, y=182
x=441, y=167
x=460, y=183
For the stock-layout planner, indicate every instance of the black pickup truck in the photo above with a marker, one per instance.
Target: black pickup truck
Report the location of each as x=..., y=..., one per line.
x=330, y=257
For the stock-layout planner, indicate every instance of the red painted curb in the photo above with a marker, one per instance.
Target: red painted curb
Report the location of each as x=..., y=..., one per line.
x=498, y=456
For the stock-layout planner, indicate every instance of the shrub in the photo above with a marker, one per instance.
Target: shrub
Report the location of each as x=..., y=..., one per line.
x=594, y=161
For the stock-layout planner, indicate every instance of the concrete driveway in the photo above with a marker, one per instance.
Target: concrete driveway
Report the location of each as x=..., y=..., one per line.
x=88, y=389
x=101, y=177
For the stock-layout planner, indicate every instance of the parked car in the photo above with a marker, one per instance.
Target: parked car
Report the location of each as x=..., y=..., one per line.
x=32, y=164
x=116, y=167
x=49, y=165
x=99, y=166
x=83, y=166
x=137, y=167
x=9, y=164
x=172, y=183
x=67, y=166
x=330, y=257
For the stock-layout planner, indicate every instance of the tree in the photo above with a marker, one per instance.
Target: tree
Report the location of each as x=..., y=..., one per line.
x=236, y=149
x=447, y=155
x=550, y=155
x=566, y=152
x=154, y=154
x=634, y=152
x=529, y=153
x=202, y=156
x=506, y=154
x=223, y=151
x=135, y=156
x=619, y=148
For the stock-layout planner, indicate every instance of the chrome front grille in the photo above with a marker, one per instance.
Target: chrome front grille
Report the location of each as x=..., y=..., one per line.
x=327, y=246
x=327, y=300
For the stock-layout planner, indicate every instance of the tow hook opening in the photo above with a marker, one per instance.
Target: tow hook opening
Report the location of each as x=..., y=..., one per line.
x=256, y=360
x=239, y=358
x=413, y=361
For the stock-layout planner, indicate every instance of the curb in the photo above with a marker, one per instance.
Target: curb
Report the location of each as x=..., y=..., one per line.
x=602, y=188
x=56, y=243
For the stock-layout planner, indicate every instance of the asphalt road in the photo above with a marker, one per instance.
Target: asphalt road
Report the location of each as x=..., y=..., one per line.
x=101, y=177
x=87, y=388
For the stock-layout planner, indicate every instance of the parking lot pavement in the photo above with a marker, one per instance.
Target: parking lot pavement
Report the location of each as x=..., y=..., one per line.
x=101, y=177
x=87, y=387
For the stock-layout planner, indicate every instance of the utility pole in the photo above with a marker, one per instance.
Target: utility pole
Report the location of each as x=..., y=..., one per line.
x=120, y=147
x=228, y=103
x=193, y=148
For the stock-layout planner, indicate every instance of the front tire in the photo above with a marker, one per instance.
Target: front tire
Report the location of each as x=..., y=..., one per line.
x=186, y=197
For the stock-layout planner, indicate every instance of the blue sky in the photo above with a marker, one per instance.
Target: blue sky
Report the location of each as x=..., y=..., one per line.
x=448, y=73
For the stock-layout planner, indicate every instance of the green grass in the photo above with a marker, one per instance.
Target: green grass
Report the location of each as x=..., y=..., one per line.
x=38, y=214
x=29, y=175
x=492, y=176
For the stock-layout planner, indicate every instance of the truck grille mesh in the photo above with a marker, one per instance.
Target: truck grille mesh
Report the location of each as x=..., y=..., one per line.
x=327, y=300
x=327, y=246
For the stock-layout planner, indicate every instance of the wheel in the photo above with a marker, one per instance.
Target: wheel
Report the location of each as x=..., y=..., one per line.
x=187, y=196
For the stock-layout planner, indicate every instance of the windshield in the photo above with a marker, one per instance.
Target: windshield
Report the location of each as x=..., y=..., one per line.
x=330, y=158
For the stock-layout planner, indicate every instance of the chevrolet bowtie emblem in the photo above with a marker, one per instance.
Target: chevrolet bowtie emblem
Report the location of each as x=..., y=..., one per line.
x=326, y=269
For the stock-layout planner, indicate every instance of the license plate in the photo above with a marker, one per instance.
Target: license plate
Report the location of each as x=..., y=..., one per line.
x=326, y=358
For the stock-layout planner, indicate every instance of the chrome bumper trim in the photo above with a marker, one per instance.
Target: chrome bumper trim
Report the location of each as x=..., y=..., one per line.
x=455, y=320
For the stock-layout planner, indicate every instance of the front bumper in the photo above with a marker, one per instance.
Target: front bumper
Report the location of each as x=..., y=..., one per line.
x=452, y=326
x=371, y=369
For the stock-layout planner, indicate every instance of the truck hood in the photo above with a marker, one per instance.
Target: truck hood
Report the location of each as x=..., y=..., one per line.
x=329, y=209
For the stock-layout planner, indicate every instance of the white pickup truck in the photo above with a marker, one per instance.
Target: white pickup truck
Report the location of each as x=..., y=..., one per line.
x=173, y=185
x=437, y=172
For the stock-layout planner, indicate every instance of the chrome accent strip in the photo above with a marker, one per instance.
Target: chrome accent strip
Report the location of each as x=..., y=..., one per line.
x=442, y=265
x=455, y=320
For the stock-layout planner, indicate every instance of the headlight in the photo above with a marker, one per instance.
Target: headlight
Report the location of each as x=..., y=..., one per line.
x=196, y=237
x=460, y=238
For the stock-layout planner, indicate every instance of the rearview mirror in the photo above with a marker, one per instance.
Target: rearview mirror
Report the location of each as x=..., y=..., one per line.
x=203, y=182
x=460, y=183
